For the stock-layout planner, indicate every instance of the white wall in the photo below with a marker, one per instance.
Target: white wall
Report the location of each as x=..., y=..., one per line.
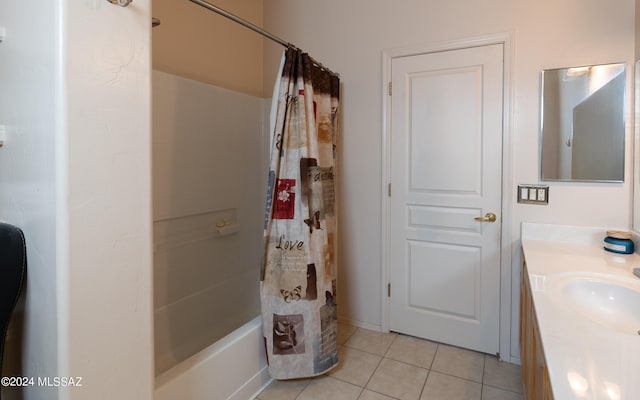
x=350, y=36
x=104, y=201
x=28, y=77
x=75, y=175
x=199, y=44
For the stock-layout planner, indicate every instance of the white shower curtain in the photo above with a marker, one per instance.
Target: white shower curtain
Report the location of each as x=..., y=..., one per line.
x=299, y=273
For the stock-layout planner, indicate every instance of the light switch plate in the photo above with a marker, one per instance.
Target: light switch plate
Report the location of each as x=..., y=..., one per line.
x=533, y=194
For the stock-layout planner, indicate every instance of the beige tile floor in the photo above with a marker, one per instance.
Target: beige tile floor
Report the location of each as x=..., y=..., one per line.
x=387, y=366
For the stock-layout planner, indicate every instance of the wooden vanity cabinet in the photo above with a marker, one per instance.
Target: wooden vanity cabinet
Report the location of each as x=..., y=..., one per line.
x=535, y=376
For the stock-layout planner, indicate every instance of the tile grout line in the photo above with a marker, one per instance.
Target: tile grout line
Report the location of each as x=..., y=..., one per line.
x=461, y=378
x=495, y=386
x=361, y=391
x=389, y=347
x=484, y=365
x=304, y=388
x=424, y=386
x=503, y=389
x=352, y=333
x=435, y=354
x=379, y=362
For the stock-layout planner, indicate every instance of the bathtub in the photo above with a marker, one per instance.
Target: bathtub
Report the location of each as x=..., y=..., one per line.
x=233, y=368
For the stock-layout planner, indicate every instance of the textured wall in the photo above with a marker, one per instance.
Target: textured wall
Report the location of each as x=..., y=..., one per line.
x=104, y=193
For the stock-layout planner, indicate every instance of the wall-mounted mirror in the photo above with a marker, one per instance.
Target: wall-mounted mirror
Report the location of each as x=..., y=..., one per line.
x=582, y=123
x=636, y=154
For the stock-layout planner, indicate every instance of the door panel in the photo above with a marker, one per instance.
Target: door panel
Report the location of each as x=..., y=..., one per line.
x=446, y=152
x=451, y=262
x=444, y=218
x=453, y=142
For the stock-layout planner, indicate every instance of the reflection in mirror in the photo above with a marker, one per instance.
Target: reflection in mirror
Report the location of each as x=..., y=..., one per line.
x=582, y=123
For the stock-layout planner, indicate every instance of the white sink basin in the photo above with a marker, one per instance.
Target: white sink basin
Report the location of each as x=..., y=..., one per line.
x=612, y=303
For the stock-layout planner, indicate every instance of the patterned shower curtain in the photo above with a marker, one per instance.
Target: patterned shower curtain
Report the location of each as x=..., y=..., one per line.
x=298, y=287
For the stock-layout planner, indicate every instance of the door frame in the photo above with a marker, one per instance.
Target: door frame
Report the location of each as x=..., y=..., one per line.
x=507, y=207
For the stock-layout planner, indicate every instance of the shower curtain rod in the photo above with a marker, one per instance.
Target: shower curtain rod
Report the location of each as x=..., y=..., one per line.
x=242, y=22
x=254, y=28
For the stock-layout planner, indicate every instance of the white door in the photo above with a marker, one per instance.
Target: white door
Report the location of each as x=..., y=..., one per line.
x=446, y=156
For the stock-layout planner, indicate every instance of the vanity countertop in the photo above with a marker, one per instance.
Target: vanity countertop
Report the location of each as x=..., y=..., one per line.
x=585, y=359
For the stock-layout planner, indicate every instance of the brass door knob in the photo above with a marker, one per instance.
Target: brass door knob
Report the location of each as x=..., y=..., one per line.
x=488, y=217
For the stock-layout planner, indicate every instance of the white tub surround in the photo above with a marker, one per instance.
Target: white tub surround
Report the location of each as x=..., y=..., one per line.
x=199, y=181
x=585, y=359
x=233, y=368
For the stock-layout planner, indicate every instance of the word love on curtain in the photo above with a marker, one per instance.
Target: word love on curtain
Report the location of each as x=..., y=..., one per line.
x=298, y=288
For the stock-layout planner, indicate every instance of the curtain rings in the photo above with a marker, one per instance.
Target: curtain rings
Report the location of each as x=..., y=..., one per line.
x=121, y=3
